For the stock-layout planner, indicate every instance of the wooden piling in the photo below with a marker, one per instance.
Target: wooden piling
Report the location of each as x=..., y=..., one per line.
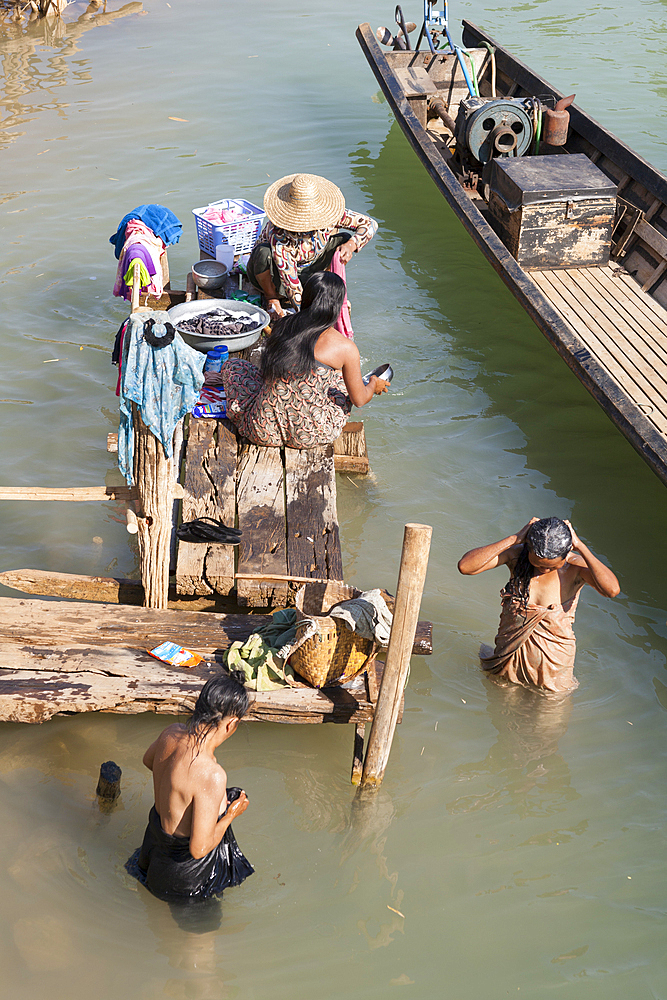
x=108, y=785
x=154, y=482
x=411, y=577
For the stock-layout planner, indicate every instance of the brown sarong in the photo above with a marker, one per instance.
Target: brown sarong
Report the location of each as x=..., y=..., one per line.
x=535, y=647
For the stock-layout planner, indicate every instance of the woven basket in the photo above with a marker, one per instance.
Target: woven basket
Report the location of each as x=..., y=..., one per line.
x=335, y=654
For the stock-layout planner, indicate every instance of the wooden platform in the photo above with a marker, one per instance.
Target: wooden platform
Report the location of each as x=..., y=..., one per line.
x=68, y=658
x=283, y=500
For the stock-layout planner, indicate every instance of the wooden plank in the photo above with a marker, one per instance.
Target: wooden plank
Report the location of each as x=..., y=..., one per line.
x=350, y=450
x=260, y=506
x=36, y=684
x=313, y=540
x=358, y=752
x=82, y=494
x=649, y=313
x=415, y=81
x=657, y=274
x=130, y=592
x=210, y=485
x=51, y=622
x=110, y=590
x=600, y=344
x=649, y=234
x=622, y=319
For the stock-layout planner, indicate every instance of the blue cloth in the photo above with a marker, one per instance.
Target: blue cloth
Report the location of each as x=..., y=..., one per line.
x=159, y=219
x=164, y=382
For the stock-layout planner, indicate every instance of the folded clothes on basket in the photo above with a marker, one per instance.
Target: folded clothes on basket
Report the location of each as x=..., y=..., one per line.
x=367, y=615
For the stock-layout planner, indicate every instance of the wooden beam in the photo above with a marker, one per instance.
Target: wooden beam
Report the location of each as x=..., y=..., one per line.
x=313, y=540
x=412, y=574
x=75, y=494
x=70, y=585
x=36, y=684
x=260, y=505
x=128, y=593
x=210, y=487
x=350, y=450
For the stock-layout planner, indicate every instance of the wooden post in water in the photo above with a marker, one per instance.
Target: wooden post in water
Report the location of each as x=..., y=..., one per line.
x=108, y=785
x=154, y=482
x=411, y=577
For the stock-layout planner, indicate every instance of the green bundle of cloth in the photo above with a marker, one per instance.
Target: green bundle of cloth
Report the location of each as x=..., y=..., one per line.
x=259, y=656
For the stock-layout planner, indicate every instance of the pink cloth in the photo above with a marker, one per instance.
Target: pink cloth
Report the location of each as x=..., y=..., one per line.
x=137, y=232
x=344, y=323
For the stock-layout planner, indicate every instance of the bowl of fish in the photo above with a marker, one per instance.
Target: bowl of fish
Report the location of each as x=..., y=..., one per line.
x=209, y=274
x=205, y=325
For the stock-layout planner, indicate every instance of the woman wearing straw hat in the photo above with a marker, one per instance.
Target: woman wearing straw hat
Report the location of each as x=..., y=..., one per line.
x=305, y=216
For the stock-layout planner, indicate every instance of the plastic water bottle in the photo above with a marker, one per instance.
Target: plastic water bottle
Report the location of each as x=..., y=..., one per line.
x=216, y=358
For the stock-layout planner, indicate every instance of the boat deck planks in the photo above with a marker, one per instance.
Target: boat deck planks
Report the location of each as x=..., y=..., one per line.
x=617, y=323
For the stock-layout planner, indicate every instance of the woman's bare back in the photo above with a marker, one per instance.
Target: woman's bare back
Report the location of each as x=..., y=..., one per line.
x=179, y=774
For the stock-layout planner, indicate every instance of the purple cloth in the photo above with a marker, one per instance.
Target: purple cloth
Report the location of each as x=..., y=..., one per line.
x=138, y=250
x=134, y=251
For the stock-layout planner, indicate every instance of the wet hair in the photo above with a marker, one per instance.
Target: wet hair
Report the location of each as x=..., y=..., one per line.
x=222, y=695
x=549, y=538
x=290, y=350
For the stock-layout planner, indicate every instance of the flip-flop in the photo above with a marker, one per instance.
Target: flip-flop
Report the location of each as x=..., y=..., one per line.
x=208, y=529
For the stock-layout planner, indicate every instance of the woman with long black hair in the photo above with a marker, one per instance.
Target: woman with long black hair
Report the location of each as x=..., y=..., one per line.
x=189, y=852
x=309, y=376
x=548, y=564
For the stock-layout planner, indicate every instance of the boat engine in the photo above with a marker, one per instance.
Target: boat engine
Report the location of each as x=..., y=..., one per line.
x=489, y=127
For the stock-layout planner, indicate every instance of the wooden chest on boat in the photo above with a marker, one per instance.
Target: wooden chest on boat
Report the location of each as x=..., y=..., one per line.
x=552, y=211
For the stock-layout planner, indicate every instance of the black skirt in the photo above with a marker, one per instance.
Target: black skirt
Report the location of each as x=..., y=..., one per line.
x=165, y=866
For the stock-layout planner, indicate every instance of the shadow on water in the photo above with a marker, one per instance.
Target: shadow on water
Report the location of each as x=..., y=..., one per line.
x=26, y=75
x=493, y=351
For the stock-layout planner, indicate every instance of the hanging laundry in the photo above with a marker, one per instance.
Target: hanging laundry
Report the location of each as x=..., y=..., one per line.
x=140, y=242
x=157, y=218
x=164, y=382
x=144, y=276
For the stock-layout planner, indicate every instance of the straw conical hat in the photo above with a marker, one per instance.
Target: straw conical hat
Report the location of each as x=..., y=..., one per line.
x=303, y=202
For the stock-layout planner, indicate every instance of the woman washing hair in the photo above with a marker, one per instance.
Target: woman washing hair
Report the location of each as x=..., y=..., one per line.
x=309, y=378
x=548, y=564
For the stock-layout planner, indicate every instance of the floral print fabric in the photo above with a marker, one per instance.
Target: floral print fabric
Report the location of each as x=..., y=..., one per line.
x=300, y=412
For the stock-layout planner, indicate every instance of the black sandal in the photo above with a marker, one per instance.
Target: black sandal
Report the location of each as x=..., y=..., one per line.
x=208, y=529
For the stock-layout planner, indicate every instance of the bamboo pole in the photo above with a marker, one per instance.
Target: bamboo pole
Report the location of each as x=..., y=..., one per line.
x=411, y=577
x=136, y=285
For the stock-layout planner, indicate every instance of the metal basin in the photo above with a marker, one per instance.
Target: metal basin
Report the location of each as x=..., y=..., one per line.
x=205, y=343
x=209, y=274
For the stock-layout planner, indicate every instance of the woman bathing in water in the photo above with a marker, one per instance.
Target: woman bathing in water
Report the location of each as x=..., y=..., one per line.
x=548, y=564
x=189, y=851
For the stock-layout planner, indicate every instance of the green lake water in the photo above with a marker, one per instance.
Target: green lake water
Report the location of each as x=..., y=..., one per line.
x=522, y=841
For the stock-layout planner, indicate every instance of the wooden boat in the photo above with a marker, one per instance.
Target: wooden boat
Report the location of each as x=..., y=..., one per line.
x=606, y=316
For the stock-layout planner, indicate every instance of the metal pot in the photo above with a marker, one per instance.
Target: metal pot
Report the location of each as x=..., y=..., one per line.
x=209, y=274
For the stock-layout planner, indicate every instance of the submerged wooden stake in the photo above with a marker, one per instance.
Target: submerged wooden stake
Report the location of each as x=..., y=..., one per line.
x=108, y=786
x=411, y=577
